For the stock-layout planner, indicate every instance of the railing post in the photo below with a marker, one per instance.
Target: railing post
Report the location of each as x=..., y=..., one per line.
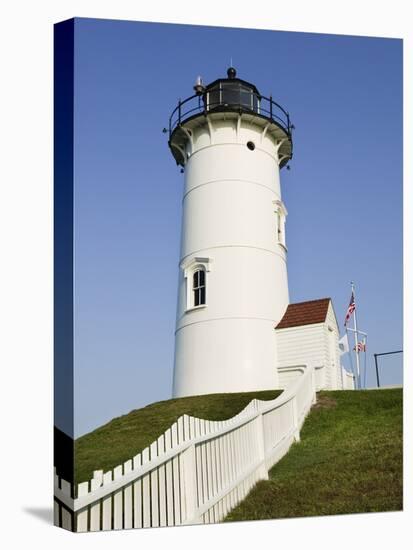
x=179, y=111
x=271, y=107
x=189, y=486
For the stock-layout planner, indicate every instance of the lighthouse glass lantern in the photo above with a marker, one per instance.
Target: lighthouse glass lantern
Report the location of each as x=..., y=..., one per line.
x=231, y=143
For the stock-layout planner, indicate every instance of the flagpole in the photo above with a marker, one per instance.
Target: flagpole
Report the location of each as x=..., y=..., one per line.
x=353, y=370
x=365, y=362
x=356, y=338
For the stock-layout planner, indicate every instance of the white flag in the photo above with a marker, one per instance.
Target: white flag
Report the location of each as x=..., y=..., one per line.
x=343, y=345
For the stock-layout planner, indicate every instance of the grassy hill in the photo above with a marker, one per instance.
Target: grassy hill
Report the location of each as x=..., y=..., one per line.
x=123, y=437
x=349, y=460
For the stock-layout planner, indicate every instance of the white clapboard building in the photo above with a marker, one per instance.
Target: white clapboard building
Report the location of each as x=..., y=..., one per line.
x=308, y=334
x=231, y=143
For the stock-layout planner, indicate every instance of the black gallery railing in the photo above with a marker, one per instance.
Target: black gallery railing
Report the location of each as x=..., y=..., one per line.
x=230, y=99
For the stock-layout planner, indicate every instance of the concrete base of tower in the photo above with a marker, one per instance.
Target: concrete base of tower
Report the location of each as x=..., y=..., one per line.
x=225, y=356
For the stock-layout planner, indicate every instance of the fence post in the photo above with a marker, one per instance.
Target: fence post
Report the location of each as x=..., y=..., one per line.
x=189, y=486
x=295, y=419
x=67, y=516
x=313, y=386
x=259, y=426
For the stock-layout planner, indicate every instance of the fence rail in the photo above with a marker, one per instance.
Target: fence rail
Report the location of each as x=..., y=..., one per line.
x=196, y=472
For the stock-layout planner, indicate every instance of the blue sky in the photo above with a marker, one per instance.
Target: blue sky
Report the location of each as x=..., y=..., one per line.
x=343, y=192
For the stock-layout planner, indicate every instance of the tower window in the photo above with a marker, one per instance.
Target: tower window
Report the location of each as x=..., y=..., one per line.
x=196, y=272
x=279, y=230
x=198, y=287
x=280, y=227
x=280, y=215
x=233, y=94
x=251, y=145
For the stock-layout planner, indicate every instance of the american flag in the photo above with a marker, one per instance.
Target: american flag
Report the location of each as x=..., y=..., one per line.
x=350, y=309
x=361, y=346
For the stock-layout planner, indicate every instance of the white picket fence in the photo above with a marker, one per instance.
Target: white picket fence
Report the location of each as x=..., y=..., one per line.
x=196, y=472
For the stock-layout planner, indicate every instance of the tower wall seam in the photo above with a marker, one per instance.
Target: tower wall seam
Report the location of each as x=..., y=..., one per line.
x=223, y=319
x=231, y=180
x=282, y=255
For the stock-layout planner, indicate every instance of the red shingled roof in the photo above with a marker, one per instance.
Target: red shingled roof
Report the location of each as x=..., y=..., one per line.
x=305, y=313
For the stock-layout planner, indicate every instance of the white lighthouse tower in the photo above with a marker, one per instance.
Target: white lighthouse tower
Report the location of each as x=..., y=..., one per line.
x=231, y=142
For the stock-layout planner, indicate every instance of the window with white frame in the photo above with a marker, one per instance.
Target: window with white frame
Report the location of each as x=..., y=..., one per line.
x=281, y=214
x=279, y=226
x=196, y=276
x=198, y=287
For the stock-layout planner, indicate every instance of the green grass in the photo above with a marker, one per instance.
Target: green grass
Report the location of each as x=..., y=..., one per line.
x=349, y=460
x=123, y=437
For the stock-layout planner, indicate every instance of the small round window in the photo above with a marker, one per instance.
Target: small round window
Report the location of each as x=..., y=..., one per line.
x=251, y=145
